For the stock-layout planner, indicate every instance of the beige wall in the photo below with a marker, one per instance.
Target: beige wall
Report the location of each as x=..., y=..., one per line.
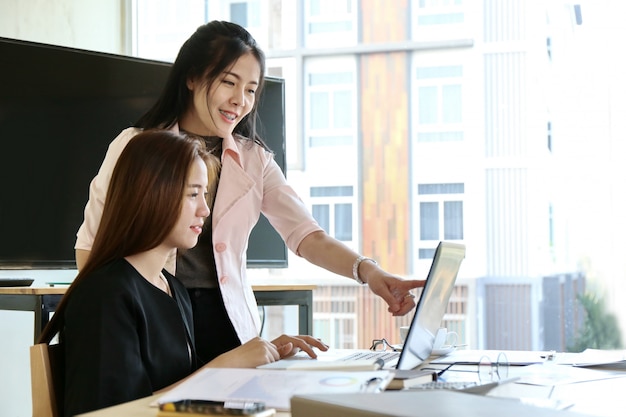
x=98, y=25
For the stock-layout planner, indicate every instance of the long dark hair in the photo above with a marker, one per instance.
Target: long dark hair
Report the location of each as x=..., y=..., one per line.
x=143, y=202
x=212, y=49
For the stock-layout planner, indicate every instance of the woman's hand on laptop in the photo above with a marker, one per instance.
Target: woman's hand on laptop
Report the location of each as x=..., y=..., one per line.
x=251, y=354
x=290, y=345
x=259, y=351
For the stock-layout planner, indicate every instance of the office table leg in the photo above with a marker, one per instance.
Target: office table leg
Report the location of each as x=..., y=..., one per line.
x=48, y=305
x=40, y=305
x=302, y=298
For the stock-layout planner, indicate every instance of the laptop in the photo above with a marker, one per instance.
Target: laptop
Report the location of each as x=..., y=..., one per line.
x=419, y=341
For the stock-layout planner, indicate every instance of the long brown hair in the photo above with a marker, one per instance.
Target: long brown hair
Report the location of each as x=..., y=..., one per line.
x=143, y=202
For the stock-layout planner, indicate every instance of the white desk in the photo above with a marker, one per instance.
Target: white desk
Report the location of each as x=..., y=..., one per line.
x=600, y=398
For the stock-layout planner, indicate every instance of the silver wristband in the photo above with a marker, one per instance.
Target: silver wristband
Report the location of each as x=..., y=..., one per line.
x=355, y=268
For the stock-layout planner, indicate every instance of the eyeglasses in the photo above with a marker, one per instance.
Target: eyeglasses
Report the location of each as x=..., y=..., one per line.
x=489, y=371
x=383, y=344
x=486, y=369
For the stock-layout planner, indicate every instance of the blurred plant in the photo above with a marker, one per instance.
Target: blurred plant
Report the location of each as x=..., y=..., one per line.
x=600, y=329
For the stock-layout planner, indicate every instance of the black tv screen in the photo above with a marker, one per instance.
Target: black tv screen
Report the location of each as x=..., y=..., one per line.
x=59, y=110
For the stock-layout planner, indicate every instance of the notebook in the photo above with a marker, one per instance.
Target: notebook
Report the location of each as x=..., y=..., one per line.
x=418, y=344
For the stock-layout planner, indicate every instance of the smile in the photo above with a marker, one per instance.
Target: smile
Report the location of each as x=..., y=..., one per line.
x=228, y=115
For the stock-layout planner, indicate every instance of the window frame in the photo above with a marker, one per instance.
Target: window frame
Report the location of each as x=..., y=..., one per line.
x=330, y=14
x=331, y=201
x=331, y=136
x=424, y=248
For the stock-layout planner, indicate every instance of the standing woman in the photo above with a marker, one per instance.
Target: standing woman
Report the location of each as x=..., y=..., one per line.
x=211, y=93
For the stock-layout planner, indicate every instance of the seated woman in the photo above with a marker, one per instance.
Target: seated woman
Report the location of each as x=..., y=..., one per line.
x=125, y=323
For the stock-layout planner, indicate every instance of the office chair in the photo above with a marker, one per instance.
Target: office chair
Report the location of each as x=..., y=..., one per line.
x=46, y=377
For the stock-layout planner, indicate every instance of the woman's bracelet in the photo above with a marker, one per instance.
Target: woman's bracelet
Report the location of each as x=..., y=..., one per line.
x=355, y=268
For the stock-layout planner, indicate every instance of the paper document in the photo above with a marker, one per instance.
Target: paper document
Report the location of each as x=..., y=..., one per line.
x=512, y=357
x=552, y=374
x=597, y=358
x=273, y=387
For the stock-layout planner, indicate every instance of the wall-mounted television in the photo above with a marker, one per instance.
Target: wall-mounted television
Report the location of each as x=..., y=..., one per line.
x=59, y=110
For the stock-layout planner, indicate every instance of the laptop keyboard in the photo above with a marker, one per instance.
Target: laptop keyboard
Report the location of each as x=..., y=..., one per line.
x=465, y=386
x=385, y=356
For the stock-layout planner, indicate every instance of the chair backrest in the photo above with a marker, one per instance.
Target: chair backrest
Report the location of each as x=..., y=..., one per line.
x=46, y=377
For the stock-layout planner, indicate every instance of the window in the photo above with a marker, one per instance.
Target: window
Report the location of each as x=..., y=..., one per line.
x=245, y=13
x=492, y=110
x=331, y=104
x=332, y=208
x=239, y=13
x=330, y=22
x=336, y=329
x=549, y=47
x=286, y=68
x=551, y=227
x=335, y=319
x=439, y=12
x=161, y=27
x=440, y=215
x=549, y=132
x=439, y=104
x=439, y=19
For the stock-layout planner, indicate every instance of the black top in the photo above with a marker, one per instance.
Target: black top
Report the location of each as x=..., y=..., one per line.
x=195, y=267
x=124, y=338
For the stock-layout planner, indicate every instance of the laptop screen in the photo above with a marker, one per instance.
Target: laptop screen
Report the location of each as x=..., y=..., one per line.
x=432, y=304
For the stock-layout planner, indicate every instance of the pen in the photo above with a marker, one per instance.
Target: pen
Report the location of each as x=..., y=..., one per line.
x=192, y=406
x=230, y=407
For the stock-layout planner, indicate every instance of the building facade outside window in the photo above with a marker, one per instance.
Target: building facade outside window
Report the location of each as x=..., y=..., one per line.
x=478, y=90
